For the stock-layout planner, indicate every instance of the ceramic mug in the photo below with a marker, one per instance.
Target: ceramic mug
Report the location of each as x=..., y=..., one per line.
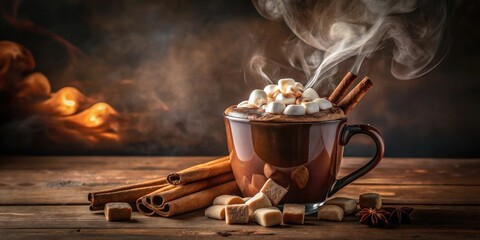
x=303, y=157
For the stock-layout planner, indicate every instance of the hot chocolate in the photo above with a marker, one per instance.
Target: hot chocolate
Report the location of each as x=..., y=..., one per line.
x=259, y=114
x=294, y=137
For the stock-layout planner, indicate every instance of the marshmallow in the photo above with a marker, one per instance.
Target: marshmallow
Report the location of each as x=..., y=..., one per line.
x=323, y=103
x=227, y=200
x=291, y=90
x=310, y=93
x=260, y=200
x=294, y=110
x=330, y=213
x=310, y=107
x=257, y=97
x=243, y=104
x=215, y=212
x=285, y=99
x=268, y=217
x=299, y=86
x=284, y=83
x=270, y=90
x=275, y=107
x=300, y=100
x=348, y=205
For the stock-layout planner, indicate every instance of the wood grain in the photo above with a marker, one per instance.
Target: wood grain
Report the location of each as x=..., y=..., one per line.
x=464, y=217
x=274, y=233
x=45, y=197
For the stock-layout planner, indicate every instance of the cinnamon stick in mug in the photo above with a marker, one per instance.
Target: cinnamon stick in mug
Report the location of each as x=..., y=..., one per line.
x=342, y=87
x=199, y=172
x=197, y=200
x=355, y=95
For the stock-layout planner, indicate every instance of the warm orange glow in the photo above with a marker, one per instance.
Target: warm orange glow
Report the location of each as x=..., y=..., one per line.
x=97, y=115
x=68, y=115
x=64, y=102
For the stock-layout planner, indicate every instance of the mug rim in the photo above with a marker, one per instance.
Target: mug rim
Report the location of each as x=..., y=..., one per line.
x=237, y=119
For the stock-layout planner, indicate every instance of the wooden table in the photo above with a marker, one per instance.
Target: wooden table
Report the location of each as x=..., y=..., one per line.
x=46, y=197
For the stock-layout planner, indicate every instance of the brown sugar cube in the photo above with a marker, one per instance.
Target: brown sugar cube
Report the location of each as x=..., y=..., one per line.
x=118, y=211
x=215, y=212
x=300, y=176
x=273, y=191
x=268, y=217
x=236, y=214
x=293, y=213
x=370, y=200
x=260, y=200
x=227, y=200
x=330, y=213
x=348, y=205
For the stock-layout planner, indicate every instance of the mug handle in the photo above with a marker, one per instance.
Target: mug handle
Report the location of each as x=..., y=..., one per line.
x=348, y=132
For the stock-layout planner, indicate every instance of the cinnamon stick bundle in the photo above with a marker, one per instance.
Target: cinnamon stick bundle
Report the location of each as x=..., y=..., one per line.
x=342, y=87
x=355, y=95
x=197, y=200
x=131, y=192
x=158, y=198
x=201, y=171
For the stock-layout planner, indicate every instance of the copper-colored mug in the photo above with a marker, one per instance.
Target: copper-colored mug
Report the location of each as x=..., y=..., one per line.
x=303, y=157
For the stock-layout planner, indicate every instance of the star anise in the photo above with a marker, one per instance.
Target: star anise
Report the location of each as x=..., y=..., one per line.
x=373, y=217
x=399, y=215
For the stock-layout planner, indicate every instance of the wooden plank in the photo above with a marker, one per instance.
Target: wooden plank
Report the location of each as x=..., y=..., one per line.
x=90, y=178
x=63, y=185
x=417, y=194
x=271, y=233
x=72, y=193
x=464, y=217
x=72, y=186
x=429, y=222
x=390, y=171
x=100, y=162
x=410, y=171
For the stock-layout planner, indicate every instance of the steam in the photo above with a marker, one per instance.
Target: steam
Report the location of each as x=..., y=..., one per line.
x=328, y=34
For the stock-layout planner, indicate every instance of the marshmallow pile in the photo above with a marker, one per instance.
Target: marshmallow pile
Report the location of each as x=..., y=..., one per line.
x=287, y=97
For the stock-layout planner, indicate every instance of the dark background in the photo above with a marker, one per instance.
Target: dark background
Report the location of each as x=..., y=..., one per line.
x=140, y=56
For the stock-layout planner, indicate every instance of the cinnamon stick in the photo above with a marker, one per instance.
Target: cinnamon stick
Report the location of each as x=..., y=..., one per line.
x=160, y=197
x=202, y=171
x=149, y=183
x=197, y=200
x=144, y=208
x=355, y=95
x=342, y=87
x=99, y=199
